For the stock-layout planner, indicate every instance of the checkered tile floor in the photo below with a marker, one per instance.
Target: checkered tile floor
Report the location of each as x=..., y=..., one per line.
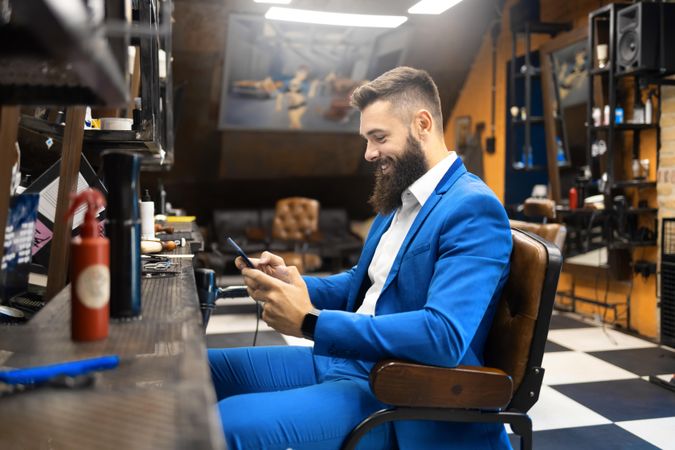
x=596, y=393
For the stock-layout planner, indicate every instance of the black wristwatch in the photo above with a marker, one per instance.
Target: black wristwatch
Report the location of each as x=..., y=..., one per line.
x=309, y=324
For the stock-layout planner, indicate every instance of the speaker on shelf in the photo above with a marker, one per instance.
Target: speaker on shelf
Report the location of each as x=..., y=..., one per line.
x=646, y=38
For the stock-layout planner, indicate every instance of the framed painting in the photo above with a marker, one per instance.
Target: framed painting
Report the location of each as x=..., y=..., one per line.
x=292, y=76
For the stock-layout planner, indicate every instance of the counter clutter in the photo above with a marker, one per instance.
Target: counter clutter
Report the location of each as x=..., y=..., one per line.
x=159, y=396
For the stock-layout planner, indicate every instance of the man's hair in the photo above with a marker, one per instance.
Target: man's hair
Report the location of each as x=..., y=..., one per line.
x=407, y=90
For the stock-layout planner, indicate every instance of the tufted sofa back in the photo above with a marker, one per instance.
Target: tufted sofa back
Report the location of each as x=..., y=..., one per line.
x=295, y=218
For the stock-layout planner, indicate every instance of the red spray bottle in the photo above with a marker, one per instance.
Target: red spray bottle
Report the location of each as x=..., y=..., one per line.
x=574, y=198
x=89, y=272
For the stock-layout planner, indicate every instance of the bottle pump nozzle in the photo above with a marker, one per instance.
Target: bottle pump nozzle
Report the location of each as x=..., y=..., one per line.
x=95, y=200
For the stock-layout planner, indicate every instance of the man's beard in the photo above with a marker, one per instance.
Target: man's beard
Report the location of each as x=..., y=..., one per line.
x=403, y=172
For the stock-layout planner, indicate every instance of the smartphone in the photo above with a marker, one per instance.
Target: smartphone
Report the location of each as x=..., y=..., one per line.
x=240, y=252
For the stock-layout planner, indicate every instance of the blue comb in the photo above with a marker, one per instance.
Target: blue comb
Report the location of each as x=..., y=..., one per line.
x=43, y=374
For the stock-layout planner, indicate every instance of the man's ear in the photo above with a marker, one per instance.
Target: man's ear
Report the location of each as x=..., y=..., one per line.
x=423, y=123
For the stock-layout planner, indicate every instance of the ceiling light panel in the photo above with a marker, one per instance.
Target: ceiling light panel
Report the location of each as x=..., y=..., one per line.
x=432, y=6
x=276, y=2
x=331, y=18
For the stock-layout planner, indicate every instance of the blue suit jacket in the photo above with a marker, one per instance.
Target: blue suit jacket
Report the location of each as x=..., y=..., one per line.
x=436, y=306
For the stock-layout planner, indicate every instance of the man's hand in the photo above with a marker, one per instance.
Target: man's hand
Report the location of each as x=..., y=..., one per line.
x=285, y=303
x=269, y=263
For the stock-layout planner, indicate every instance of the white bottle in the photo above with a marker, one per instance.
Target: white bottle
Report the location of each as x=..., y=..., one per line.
x=649, y=109
x=147, y=217
x=597, y=117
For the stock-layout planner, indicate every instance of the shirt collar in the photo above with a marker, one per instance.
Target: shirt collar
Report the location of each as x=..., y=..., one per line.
x=422, y=188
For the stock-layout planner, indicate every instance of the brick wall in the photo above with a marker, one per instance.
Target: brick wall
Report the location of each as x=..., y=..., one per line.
x=666, y=175
x=665, y=186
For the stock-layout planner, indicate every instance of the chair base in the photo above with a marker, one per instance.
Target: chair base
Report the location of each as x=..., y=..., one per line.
x=521, y=424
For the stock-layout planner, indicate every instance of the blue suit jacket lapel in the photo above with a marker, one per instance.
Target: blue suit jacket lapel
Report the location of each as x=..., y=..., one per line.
x=453, y=173
x=380, y=226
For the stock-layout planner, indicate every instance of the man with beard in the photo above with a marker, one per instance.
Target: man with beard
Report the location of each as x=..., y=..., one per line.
x=425, y=289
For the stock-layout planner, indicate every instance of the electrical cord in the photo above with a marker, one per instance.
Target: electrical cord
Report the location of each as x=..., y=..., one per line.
x=257, y=322
x=604, y=313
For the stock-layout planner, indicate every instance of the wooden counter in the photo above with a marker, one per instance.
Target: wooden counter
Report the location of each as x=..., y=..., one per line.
x=160, y=396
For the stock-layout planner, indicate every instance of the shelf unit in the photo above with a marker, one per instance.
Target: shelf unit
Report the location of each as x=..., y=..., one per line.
x=59, y=56
x=602, y=30
x=527, y=72
x=524, y=170
x=71, y=57
x=155, y=138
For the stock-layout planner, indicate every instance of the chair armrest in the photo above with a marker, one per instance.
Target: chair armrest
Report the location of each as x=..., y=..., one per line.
x=403, y=383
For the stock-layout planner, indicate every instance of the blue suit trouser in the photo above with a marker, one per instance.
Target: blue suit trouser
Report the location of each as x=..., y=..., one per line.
x=282, y=398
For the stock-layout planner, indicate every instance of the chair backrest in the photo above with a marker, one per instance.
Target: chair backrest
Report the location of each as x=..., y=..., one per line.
x=552, y=232
x=539, y=207
x=295, y=218
x=518, y=335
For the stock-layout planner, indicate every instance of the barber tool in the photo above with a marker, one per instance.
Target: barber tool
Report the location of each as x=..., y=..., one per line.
x=10, y=315
x=157, y=267
x=123, y=228
x=171, y=255
x=41, y=374
x=179, y=242
x=89, y=272
x=72, y=374
x=164, y=229
x=156, y=246
x=161, y=246
x=208, y=292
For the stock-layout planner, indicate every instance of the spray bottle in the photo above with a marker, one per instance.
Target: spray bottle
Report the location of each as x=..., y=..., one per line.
x=89, y=272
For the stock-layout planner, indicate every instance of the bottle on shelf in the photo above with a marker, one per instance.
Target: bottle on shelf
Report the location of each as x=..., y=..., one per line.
x=560, y=153
x=573, y=198
x=638, y=112
x=597, y=116
x=649, y=108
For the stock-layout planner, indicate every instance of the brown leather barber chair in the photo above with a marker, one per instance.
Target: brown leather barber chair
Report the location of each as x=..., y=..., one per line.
x=296, y=227
x=539, y=207
x=543, y=209
x=508, y=386
x=552, y=232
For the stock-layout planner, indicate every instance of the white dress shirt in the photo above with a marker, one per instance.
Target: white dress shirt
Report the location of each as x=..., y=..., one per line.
x=412, y=199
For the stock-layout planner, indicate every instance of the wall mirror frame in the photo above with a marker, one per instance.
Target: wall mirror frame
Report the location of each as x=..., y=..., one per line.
x=564, y=76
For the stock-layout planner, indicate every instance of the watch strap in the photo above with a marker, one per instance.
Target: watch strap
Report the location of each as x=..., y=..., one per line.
x=309, y=323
